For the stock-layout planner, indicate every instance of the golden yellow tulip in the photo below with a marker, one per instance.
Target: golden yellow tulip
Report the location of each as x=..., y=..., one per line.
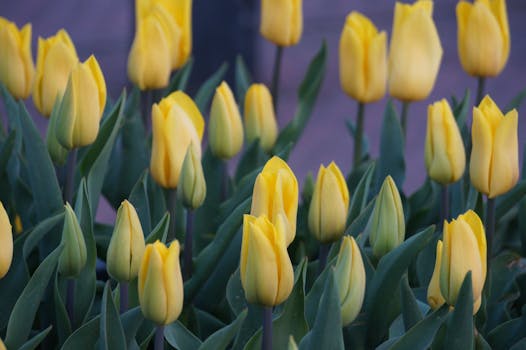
x=6, y=242
x=434, y=296
x=260, y=119
x=281, y=21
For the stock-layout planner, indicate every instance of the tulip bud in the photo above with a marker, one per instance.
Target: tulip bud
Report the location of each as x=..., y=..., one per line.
x=16, y=61
x=81, y=108
x=2, y=345
x=57, y=152
x=160, y=283
x=494, y=164
x=444, y=150
x=464, y=250
x=281, y=21
x=193, y=185
x=6, y=242
x=363, y=59
x=434, y=296
x=349, y=274
x=260, y=119
x=415, y=52
x=174, y=114
x=387, y=225
x=225, y=133
x=483, y=37
x=329, y=205
x=55, y=59
x=73, y=256
x=266, y=270
x=275, y=195
x=126, y=248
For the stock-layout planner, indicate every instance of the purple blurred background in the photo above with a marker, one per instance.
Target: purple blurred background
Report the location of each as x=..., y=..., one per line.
x=227, y=27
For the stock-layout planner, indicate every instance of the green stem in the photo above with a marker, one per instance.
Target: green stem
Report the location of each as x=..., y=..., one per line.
x=70, y=301
x=322, y=256
x=275, y=76
x=266, y=343
x=358, y=136
x=171, y=203
x=444, y=205
x=159, y=338
x=490, y=229
x=188, y=246
x=481, y=84
x=123, y=296
x=146, y=107
x=405, y=112
x=70, y=176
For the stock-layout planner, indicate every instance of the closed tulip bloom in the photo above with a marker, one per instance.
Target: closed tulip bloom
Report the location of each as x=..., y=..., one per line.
x=55, y=59
x=260, y=119
x=266, y=270
x=74, y=255
x=464, y=250
x=6, y=242
x=126, y=248
x=434, y=295
x=160, y=283
x=281, y=21
x=363, y=59
x=16, y=61
x=81, y=108
x=225, y=131
x=494, y=164
x=483, y=37
x=444, y=150
x=276, y=196
x=329, y=205
x=415, y=52
x=193, y=185
x=176, y=122
x=387, y=226
x=350, y=278
x=181, y=12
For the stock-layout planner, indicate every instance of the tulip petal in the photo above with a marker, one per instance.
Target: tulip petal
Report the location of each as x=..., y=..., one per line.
x=6, y=242
x=434, y=296
x=481, y=153
x=153, y=297
x=173, y=282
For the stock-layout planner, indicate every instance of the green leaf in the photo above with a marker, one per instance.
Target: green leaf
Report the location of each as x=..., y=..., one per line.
x=131, y=320
x=510, y=199
x=460, y=324
x=6, y=151
x=180, y=338
x=243, y=80
x=40, y=231
x=180, y=79
x=141, y=202
x=235, y=294
x=160, y=231
x=357, y=227
x=361, y=194
x=460, y=110
x=85, y=337
x=307, y=95
x=222, y=338
x=34, y=342
x=516, y=101
x=62, y=325
x=410, y=310
x=250, y=326
x=111, y=332
x=253, y=158
x=24, y=312
x=507, y=333
x=207, y=90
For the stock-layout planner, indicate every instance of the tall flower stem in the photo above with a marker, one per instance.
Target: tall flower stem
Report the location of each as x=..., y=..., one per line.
x=146, y=107
x=159, y=338
x=266, y=343
x=123, y=296
x=405, y=113
x=70, y=301
x=444, y=204
x=358, y=135
x=275, y=76
x=188, y=246
x=70, y=176
x=322, y=256
x=481, y=84
x=490, y=229
x=171, y=203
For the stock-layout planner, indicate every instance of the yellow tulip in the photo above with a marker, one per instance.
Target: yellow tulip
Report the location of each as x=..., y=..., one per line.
x=225, y=131
x=260, y=119
x=160, y=283
x=266, y=270
x=55, y=59
x=74, y=255
x=81, y=108
x=494, y=164
x=363, y=59
x=276, y=196
x=464, y=250
x=6, y=242
x=387, y=230
x=2, y=345
x=434, y=296
x=193, y=184
x=16, y=61
x=281, y=21
x=444, y=151
x=483, y=37
x=126, y=248
x=415, y=52
x=329, y=205
x=175, y=115
x=349, y=273
x=181, y=12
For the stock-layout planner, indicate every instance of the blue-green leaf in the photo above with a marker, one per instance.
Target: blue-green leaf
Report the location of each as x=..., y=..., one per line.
x=141, y=202
x=243, y=80
x=131, y=320
x=207, y=90
x=34, y=342
x=223, y=337
x=111, y=332
x=180, y=338
x=460, y=324
x=85, y=337
x=410, y=311
x=180, y=79
x=160, y=231
x=40, y=231
x=361, y=194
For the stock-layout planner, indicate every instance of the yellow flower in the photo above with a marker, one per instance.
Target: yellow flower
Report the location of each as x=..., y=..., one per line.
x=181, y=12
x=74, y=255
x=175, y=115
x=350, y=278
x=55, y=59
x=260, y=119
x=2, y=345
x=483, y=37
x=415, y=51
x=266, y=270
x=276, y=196
x=160, y=283
x=193, y=185
x=464, y=250
x=494, y=165
x=16, y=61
x=126, y=247
x=434, y=296
x=6, y=242
x=281, y=21
x=363, y=59
x=444, y=151
x=225, y=131
x=329, y=205
x=387, y=229
x=81, y=108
